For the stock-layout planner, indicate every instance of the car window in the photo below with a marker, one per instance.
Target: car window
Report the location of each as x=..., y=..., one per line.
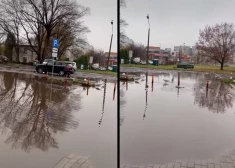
x=49, y=62
x=58, y=63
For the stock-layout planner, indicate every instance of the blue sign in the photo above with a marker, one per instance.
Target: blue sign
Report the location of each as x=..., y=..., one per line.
x=55, y=43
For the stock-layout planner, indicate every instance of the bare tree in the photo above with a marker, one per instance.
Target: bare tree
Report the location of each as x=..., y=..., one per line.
x=217, y=43
x=138, y=50
x=10, y=24
x=123, y=23
x=39, y=19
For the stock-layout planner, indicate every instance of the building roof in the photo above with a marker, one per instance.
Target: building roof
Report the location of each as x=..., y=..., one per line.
x=153, y=47
x=111, y=53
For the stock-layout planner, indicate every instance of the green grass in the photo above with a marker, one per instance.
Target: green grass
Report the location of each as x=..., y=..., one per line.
x=198, y=68
x=229, y=81
x=98, y=72
x=12, y=64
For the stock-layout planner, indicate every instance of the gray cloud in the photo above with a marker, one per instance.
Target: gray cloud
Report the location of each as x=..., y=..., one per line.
x=99, y=22
x=174, y=22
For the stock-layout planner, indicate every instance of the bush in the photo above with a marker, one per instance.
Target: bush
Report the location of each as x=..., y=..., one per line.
x=82, y=60
x=124, y=55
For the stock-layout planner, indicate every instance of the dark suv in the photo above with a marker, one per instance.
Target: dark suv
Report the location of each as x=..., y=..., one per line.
x=60, y=67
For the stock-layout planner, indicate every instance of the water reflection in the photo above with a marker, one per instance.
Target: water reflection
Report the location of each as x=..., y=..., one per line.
x=122, y=102
x=32, y=114
x=146, y=96
x=100, y=121
x=216, y=96
x=169, y=109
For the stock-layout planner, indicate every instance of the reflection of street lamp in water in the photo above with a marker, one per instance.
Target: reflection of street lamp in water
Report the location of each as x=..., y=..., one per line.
x=100, y=121
x=146, y=93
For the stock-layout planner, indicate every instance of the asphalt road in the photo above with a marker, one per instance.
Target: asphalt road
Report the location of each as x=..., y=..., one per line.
x=31, y=70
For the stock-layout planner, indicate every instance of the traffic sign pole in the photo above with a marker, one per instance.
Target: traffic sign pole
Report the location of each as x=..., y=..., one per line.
x=55, y=45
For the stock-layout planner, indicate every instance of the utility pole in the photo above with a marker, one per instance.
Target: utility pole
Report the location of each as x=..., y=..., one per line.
x=110, y=46
x=147, y=59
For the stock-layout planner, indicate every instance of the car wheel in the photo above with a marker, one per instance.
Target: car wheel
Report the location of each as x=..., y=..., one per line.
x=40, y=70
x=61, y=73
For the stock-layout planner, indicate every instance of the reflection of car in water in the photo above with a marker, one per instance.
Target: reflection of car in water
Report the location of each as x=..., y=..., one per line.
x=3, y=59
x=185, y=65
x=60, y=67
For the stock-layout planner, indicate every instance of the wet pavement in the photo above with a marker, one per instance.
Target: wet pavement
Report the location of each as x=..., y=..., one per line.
x=42, y=123
x=162, y=123
x=26, y=69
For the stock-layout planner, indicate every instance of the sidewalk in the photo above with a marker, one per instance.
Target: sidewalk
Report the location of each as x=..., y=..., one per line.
x=224, y=161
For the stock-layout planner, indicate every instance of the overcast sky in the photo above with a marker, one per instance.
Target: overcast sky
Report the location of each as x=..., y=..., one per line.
x=174, y=22
x=99, y=22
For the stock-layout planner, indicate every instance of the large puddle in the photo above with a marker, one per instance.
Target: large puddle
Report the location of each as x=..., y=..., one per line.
x=41, y=123
x=161, y=123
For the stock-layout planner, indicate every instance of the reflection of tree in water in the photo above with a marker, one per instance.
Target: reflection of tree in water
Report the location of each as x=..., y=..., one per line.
x=122, y=102
x=26, y=109
x=219, y=97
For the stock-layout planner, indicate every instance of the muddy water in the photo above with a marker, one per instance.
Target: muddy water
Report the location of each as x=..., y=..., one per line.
x=41, y=123
x=161, y=123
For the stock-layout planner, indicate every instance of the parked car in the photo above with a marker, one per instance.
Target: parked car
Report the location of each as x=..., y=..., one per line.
x=60, y=67
x=136, y=60
x=150, y=62
x=74, y=64
x=185, y=65
x=3, y=59
x=143, y=62
x=102, y=68
x=110, y=68
x=95, y=66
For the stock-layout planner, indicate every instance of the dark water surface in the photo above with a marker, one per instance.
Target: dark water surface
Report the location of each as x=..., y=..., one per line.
x=41, y=123
x=164, y=123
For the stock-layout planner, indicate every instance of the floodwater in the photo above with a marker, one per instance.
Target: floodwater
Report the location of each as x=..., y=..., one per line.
x=161, y=123
x=42, y=123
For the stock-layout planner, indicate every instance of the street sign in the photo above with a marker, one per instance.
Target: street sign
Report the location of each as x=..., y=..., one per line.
x=55, y=43
x=91, y=60
x=130, y=53
x=54, y=54
x=54, y=50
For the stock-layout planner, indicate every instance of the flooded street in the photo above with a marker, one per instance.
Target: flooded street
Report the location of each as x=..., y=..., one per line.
x=41, y=123
x=161, y=123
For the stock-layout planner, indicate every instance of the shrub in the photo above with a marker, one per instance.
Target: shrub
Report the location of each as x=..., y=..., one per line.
x=82, y=60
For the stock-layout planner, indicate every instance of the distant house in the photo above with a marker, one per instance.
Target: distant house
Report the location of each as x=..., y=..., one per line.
x=26, y=54
x=157, y=53
x=112, y=58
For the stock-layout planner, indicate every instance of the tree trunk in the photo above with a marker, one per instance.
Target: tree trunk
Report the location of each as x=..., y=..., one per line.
x=222, y=65
x=17, y=46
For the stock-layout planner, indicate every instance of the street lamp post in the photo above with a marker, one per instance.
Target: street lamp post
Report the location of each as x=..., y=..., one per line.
x=147, y=59
x=110, y=46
